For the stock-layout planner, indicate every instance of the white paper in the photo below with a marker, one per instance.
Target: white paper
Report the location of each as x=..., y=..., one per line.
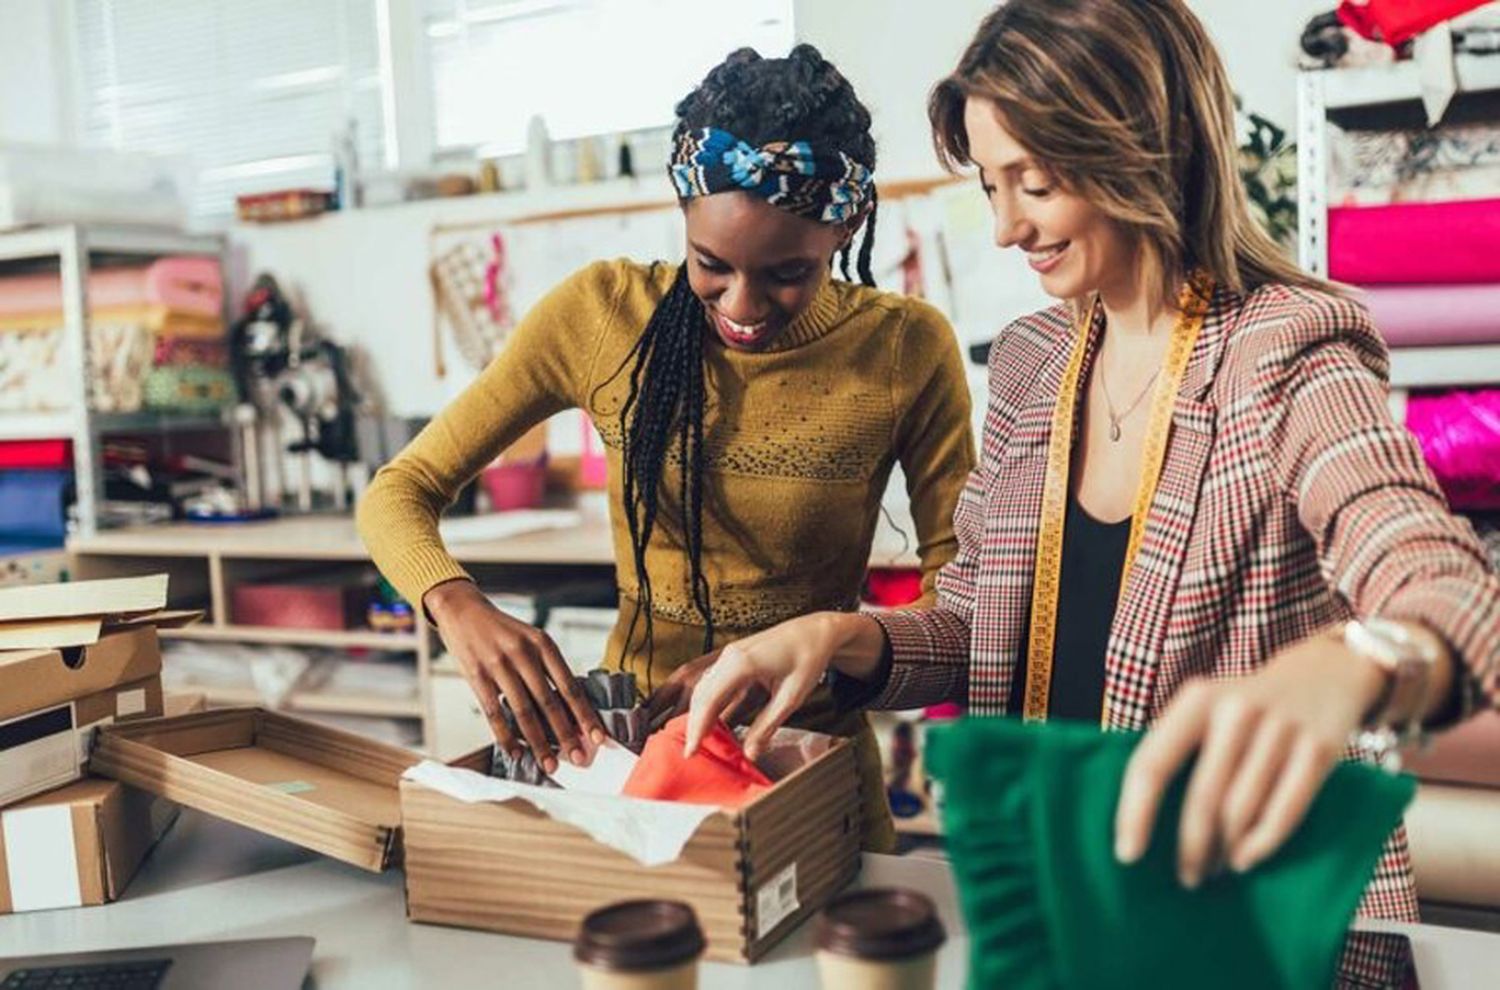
x=40, y=858
x=606, y=774
x=652, y=833
x=503, y=525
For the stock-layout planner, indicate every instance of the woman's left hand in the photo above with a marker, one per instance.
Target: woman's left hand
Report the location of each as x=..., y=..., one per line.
x=1265, y=745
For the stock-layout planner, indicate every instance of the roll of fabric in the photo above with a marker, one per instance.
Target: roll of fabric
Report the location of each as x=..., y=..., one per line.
x=188, y=390
x=1460, y=437
x=1454, y=243
x=179, y=352
x=185, y=284
x=1435, y=315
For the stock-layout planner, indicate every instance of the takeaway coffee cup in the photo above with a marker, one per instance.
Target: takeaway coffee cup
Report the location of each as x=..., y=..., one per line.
x=640, y=945
x=880, y=939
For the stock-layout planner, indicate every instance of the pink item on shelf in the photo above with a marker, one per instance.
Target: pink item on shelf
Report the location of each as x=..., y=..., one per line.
x=593, y=467
x=323, y=604
x=189, y=285
x=1454, y=243
x=520, y=485
x=1460, y=437
x=1435, y=315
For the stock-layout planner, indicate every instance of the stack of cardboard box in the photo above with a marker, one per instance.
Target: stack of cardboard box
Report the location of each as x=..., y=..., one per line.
x=75, y=657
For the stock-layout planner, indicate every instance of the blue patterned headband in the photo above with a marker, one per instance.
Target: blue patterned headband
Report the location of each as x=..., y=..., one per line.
x=829, y=187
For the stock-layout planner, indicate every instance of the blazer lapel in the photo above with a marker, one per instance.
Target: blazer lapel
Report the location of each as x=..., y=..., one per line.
x=1144, y=613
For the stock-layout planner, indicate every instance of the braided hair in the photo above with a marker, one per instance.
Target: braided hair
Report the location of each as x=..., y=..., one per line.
x=800, y=97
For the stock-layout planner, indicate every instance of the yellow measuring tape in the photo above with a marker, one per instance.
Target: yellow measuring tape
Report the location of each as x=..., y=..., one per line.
x=1193, y=305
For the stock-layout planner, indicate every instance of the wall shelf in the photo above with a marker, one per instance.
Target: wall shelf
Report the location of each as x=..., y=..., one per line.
x=76, y=247
x=352, y=639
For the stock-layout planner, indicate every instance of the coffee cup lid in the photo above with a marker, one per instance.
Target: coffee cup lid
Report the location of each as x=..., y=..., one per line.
x=881, y=923
x=639, y=935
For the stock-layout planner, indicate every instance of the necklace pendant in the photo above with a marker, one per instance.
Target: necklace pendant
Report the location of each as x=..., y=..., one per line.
x=1114, y=431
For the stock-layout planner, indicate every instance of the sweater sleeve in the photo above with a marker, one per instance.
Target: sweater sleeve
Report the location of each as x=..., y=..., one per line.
x=1386, y=540
x=934, y=441
x=542, y=370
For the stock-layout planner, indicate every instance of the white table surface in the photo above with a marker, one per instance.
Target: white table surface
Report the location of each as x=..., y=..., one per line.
x=213, y=880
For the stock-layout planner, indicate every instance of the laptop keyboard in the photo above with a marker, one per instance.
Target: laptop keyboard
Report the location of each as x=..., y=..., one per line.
x=142, y=974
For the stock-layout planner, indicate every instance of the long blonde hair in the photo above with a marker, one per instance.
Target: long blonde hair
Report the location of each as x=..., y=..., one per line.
x=1126, y=103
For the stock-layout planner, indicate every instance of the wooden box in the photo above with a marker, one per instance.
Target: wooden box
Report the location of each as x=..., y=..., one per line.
x=752, y=875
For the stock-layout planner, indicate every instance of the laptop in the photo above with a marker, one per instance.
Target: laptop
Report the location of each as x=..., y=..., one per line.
x=256, y=964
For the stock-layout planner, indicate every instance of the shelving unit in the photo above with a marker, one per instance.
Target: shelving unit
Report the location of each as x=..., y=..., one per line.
x=75, y=248
x=1328, y=93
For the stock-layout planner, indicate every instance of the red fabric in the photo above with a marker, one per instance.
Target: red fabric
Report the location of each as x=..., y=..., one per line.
x=893, y=586
x=36, y=454
x=719, y=773
x=1394, y=21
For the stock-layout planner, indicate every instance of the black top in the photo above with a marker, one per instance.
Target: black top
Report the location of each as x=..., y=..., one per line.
x=1093, y=555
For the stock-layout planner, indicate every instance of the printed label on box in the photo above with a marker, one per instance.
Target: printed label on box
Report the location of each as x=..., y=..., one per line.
x=41, y=861
x=129, y=703
x=37, y=753
x=775, y=900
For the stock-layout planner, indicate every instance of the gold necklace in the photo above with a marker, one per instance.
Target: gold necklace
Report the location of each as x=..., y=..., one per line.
x=1109, y=405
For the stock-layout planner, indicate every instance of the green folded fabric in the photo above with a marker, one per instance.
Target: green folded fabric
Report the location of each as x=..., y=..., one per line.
x=1029, y=810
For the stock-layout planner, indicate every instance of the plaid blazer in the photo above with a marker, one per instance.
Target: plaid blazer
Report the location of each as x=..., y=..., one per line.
x=1289, y=499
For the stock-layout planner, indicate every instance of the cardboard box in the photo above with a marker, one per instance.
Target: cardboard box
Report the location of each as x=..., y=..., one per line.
x=76, y=846
x=31, y=680
x=46, y=748
x=751, y=875
x=73, y=657
x=330, y=791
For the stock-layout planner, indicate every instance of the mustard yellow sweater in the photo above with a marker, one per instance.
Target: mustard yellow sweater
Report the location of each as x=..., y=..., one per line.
x=800, y=443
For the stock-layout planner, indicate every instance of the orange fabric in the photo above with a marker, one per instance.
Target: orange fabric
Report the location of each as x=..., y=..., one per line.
x=719, y=773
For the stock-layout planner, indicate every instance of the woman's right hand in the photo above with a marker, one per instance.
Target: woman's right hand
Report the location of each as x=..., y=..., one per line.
x=504, y=657
x=785, y=662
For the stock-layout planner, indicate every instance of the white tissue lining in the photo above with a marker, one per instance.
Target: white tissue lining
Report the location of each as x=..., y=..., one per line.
x=653, y=833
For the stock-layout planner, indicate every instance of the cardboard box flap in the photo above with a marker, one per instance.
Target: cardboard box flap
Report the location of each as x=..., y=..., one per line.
x=50, y=634
x=166, y=618
x=75, y=599
x=334, y=792
x=62, y=634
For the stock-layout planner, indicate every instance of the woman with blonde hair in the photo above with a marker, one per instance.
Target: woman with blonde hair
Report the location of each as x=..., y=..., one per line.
x=1194, y=511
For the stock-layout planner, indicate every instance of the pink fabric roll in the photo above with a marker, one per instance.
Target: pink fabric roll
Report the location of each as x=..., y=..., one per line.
x=1436, y=315
x=1460, y=437
x=184, y=285
x=1415, y=243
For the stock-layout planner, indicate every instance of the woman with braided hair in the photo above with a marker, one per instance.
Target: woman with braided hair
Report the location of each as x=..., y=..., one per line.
x=752, y=405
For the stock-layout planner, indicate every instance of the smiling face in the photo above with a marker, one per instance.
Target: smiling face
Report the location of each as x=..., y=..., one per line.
x=755, y=267
x=1073, y=245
